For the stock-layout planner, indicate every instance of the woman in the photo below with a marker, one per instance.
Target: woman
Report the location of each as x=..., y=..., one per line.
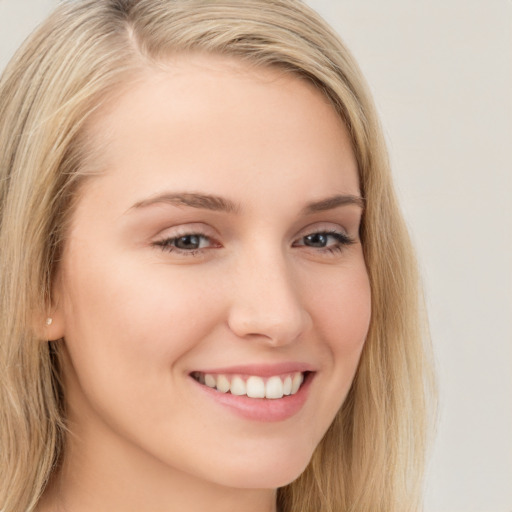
x=197, y=212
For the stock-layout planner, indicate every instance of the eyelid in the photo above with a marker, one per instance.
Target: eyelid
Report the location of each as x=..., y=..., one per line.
x=342, y=239
x=323, y=227
x=164, y=240
x=193, y=228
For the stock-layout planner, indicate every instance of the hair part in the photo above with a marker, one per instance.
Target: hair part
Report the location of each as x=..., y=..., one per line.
x=86, y=52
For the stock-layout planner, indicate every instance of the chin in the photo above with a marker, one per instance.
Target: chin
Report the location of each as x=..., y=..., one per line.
x=265, y=474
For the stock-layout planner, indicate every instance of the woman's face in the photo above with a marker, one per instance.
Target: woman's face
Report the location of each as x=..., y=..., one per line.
x=216, y=256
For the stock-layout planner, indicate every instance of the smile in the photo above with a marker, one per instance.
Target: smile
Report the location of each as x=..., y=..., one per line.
x=253, y=386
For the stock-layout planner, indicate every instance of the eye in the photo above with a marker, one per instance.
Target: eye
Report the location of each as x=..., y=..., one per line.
x=188, y=244
x=331, y=241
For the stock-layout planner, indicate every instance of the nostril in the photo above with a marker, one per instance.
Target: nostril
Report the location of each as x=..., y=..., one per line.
x=266, y=305
x=276, y=331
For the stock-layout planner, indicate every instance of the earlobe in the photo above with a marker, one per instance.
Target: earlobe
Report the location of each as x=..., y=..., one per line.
x=53, y=323
x=53, y=327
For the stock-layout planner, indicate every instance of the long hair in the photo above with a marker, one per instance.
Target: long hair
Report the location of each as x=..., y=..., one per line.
x=372, y=456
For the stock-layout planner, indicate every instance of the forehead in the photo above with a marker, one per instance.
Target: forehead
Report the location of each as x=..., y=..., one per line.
x=222, y=117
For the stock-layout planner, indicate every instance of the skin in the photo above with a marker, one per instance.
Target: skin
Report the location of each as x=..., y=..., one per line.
x=137, y=318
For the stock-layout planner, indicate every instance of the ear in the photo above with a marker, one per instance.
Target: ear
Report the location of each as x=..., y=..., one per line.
x=52, y=324
x=53, y=327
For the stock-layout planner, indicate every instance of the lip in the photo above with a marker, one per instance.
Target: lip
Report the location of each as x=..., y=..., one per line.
x=260, y=409
x=261, y=370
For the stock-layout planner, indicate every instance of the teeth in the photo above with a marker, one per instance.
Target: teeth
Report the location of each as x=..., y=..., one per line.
x=238, y=386
x=296, y=382
x=254, y=387
x=274, y=388
x=222, y=384
x=287, y=385
x=209, y=380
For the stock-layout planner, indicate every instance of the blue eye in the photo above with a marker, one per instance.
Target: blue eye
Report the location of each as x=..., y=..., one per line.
x=185, y=244
x=317, y=240
x=331, y=241
x=192, y=244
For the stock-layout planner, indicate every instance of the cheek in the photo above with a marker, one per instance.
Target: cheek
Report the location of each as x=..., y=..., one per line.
x=342, y=310
x=129, y=324
x=340, y=305
x=342, y=317
x=133, y=299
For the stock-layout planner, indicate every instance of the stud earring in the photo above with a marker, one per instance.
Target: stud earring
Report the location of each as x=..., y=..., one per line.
x=49, y=321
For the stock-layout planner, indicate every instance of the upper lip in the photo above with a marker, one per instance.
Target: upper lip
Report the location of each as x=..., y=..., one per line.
x=261, y=370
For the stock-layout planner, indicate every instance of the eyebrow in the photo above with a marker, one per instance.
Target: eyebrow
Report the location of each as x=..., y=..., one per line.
x=334, y=202
x=221, y=204
x=201, y=201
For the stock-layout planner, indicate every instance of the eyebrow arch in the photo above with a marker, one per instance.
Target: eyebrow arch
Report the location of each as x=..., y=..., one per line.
x=334, y=202
x=201, y=201
x=221, y=204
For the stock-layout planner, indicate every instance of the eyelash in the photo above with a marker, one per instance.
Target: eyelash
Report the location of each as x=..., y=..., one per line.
x=167, y=244
x=342, y=241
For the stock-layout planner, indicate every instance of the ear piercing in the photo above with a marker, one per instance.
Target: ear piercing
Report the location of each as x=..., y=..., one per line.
x=49, y=321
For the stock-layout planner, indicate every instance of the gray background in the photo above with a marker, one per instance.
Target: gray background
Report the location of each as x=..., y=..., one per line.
x=441, y=73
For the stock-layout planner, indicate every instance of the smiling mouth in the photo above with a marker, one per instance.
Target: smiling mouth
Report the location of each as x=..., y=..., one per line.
x=253, y=386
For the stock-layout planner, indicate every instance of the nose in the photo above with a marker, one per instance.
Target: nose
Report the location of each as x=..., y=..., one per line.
x=267, y=302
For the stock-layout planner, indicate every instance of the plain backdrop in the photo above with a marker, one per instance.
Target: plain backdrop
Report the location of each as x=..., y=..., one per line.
x=441, y=74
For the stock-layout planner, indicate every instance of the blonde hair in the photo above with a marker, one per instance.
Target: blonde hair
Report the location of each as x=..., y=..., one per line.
x=372, y=456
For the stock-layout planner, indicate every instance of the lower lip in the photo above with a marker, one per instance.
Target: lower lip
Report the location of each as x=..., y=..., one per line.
x=262, y=409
